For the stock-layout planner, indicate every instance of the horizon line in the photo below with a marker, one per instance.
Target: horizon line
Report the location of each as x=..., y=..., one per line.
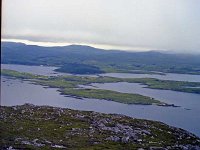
x=97, y=46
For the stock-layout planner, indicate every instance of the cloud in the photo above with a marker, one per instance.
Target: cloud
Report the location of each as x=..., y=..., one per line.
x=148, y=24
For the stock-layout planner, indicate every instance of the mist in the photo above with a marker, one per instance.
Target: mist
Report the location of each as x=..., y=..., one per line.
x=167, y=25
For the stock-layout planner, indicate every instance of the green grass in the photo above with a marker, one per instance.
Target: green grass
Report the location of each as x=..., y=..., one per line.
x=181, y=86
x=60, y=83
x=21, y=75
x=111, y=95
x=73, y=81
x=68, y=85
x=81, y=130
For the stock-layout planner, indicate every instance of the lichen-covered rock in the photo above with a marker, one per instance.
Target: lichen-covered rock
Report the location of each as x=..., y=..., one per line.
x=44, y=127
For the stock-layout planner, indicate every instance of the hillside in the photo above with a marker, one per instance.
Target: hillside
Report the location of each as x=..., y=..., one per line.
x=44, y=127
x=79, y=59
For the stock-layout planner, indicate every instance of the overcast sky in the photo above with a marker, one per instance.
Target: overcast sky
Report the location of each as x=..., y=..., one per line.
x=122, y=24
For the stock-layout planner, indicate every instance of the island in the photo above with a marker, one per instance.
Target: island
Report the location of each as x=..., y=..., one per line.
x=69, y=85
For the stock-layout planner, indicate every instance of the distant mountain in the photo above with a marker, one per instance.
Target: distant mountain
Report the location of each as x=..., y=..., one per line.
x=97, y=60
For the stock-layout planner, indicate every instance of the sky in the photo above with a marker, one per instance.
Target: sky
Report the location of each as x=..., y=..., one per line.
x=138, y=25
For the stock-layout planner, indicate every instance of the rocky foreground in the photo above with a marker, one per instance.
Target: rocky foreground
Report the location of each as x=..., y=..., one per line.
x=44, y=127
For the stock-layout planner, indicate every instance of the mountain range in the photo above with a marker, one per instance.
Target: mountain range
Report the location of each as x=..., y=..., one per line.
x=79, y=59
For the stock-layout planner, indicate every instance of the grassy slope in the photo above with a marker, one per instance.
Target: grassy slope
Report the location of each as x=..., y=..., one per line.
x=34, y=127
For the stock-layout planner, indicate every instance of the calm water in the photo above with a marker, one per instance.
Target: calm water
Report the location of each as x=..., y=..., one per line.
x=185, y=100
x=44, y=70
x=168, y=76
x=40, y=70
x=16, y=92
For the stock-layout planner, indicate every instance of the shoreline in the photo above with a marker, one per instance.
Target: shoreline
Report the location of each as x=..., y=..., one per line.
x=61, y=92
x=150, y=106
